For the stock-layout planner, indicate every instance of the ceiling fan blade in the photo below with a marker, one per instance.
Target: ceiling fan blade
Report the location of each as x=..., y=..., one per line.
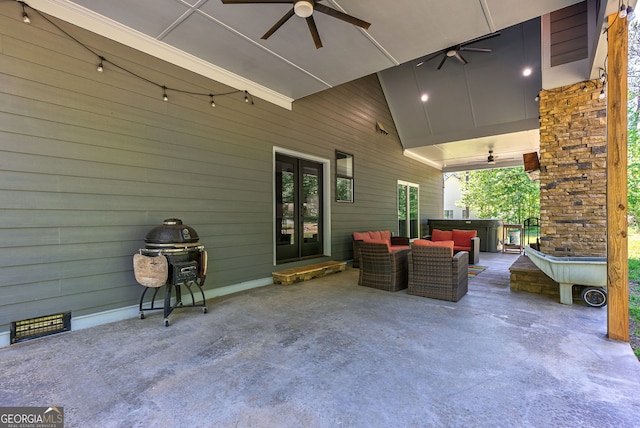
x=340, y=15
x=314, y=31
x=278, y=24
x=475, y=49
x=460, y=58
x=444, y=58
x=428, y=58
x=254, y=1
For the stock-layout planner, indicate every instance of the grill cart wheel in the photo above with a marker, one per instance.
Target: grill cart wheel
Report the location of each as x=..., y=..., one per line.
x=166, y=322
x=204, y=310
x=141, y=315
x=594, y=296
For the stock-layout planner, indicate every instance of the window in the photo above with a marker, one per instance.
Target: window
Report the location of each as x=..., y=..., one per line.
x=344, y=177
x=448, y=213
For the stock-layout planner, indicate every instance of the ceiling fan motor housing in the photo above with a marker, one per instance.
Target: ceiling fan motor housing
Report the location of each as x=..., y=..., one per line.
x=303, y=8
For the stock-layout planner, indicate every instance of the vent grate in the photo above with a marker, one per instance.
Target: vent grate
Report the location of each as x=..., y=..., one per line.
x=42, y=326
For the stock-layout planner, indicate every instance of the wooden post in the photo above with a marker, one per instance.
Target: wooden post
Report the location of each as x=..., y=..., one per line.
x=617, y=240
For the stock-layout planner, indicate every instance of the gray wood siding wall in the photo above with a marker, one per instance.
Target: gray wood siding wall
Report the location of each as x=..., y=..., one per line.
x=90, y=162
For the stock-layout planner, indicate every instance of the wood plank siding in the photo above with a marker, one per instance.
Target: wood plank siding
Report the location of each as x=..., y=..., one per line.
x=569, y=34
x=90, y=162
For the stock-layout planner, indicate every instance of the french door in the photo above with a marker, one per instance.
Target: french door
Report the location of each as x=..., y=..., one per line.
x=299, y=208
x=408, y=204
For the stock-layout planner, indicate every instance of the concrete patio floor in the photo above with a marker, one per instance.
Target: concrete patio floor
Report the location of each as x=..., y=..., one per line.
x=327, y=353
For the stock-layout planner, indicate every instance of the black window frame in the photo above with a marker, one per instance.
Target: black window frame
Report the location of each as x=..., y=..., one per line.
x=343, y=174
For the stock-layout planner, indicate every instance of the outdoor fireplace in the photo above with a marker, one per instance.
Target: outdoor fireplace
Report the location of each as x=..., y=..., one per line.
x=172, y=258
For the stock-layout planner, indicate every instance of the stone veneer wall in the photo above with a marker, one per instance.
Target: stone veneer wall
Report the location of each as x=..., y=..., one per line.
x=573, y=147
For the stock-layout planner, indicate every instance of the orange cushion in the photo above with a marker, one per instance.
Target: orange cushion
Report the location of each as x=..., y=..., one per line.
x=360, y=236
x=441, y=235
x=462, y=238
x=427, y=243
x=378, y=235
x=380, y=241
x=375, y=235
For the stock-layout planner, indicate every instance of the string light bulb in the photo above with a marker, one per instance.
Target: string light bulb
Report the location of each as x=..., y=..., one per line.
x=248, y=98
x=631, y=13
x=623, y=11
x=602, y=94
x=25, y=17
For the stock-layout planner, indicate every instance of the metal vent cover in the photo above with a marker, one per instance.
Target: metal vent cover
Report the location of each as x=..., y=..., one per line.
x=33, y=328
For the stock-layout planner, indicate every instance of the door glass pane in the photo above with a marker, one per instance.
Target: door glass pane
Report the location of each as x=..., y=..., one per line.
x=285, y=203
x=413, y=212
x=408, y=210
x=310, y=204
x=402, y=209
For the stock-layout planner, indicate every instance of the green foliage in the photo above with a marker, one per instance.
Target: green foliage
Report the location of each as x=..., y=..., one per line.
x=633, y=166
x=634, y=270
x=633, y=139
x=504, y=193
x=634, y=276
x=634, y=257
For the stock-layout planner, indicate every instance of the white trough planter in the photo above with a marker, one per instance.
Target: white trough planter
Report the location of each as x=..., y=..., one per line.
x=567, y=271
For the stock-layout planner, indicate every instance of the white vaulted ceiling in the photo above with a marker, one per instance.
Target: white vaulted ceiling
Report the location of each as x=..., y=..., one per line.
x=223, y=42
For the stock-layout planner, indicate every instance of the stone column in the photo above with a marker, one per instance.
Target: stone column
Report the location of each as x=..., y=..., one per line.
x=573, y=149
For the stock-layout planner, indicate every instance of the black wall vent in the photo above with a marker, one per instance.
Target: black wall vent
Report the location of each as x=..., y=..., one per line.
x=38, y=327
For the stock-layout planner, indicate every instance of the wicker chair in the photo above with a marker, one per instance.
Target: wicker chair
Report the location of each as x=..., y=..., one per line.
x=382, y=269
x=434, y=273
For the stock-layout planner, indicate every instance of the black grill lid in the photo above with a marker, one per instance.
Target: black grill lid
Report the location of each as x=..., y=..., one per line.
x=172, y=231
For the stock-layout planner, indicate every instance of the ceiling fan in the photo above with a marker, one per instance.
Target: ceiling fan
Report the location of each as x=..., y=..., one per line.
x=305, y=9
x=454, y=51
x=491, y=159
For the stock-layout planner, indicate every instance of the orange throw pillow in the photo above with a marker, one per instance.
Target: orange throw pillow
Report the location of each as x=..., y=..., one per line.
x=441, y=235
x=462, y=238
x=427, y=243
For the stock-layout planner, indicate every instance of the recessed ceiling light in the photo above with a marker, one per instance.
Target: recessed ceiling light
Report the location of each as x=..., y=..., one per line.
x=424, y=98
x=527, y=72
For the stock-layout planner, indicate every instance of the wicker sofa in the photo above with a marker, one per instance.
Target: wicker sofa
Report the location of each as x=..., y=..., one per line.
x=463, y=240
x=381, y=268
x=380, y=236
x=434, y=272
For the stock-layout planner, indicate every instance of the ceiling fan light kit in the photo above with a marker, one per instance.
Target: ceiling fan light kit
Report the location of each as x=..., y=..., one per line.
x=304, y=9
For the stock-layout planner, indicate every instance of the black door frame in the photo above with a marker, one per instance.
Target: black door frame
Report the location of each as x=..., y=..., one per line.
x=301, y=247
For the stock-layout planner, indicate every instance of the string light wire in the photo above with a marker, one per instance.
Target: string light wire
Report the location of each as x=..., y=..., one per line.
x=248, y=98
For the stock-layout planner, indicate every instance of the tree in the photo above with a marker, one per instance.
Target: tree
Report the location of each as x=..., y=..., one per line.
x=503, y=193
x=633, y=139
x=633, y=166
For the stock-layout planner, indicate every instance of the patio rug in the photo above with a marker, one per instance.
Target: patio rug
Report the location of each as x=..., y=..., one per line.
x=475, y=270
